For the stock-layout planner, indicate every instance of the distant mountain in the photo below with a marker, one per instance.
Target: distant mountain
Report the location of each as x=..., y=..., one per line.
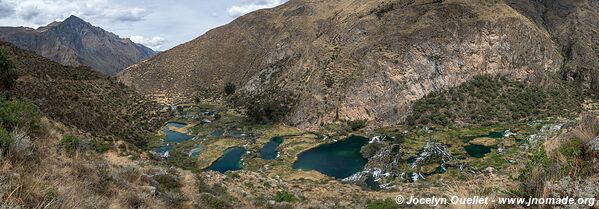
x=351, y=59
x=76, y=42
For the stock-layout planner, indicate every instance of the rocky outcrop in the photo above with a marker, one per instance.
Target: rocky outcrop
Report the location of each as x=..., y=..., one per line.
x=349, y=59
x=76, y=42
x=574, y=25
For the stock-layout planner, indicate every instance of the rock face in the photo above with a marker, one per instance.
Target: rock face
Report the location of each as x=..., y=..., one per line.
x=350, y=59
x=82, y=98
x=76, y=42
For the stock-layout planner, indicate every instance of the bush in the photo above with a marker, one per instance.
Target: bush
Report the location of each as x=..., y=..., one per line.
x=70, y=143
x=357, y=124
x=381, y=204
x=283, y=196
x=168, y=182
x=268, y=110
x=16, y=113
x=8, y=73
x=5, y=140
x=230, y=88
x=211, y=201
x=486, y=100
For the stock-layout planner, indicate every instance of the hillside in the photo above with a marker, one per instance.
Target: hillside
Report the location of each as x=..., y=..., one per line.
x=351, y=60
x=76, y=42
x=82, y=98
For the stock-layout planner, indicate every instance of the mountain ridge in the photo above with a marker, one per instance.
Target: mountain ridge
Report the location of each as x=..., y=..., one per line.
x=77, y=42
x=348, y=60
x=83, y=98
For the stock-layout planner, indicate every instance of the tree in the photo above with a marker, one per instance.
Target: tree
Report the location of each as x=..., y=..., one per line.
x=230, y=88
x=8, y=73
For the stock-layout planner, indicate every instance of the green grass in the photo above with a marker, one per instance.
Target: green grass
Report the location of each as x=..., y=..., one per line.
x=382, y=204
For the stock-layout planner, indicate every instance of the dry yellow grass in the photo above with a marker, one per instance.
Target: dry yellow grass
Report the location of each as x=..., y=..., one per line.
x=588, y=128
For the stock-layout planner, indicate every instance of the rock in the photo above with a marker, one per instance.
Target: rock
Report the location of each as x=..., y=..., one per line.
x=484, y=141
x=490, y=170
x=378, y=62
x=149, y=189
x=592, y=147
x=83, y=44
x=592, y=151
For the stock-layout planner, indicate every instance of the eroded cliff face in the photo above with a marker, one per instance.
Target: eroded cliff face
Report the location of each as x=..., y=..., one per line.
x=349, y=59
x=574, y=24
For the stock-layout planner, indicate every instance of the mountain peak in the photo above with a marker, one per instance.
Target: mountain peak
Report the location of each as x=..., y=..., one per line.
x=74, y=20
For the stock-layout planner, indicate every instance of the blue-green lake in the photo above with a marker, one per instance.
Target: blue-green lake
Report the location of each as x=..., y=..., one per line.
x=340, y=159
x=230, y=161
x=269, y=150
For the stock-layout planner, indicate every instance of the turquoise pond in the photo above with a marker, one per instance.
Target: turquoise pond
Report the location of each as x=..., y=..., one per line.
x=217, y=133
x=340, y=159
x=477, y=151
x=480, y=151
x=230, y=161
x=269, y=150
x=171, y=137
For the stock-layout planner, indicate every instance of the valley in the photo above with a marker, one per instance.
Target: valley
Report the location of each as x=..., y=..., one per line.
x=308, y=105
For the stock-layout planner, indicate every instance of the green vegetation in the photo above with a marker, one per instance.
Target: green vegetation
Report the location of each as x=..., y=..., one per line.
x=214, y=196
x=230, y=88
x=5, y=140
x=269, y=109
x=179, y=156
x=21, y=114
x=284, y=196
x=356, y=124
x=19, y=117
x=168, y=182
x=381, y=204
x=8, y=73
x=486, y=99
x=70, y=143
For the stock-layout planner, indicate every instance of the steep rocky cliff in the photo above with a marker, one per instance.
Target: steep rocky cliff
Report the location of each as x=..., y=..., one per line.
x=350, y=59
x=82, y=98
x=76, y=42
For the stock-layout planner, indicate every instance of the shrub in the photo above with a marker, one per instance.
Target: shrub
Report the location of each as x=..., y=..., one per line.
x=486, y=100
x=268, y=110
x=230, y=88
x=381, y=204
x=8, y=73
x=357, y=124
x=5, y=140
x=211, y=201
x=168, y=182
x=283, y=196
x=70, y=143
x=16, y=113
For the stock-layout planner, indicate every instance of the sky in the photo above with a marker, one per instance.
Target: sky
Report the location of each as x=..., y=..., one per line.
x=158, y=24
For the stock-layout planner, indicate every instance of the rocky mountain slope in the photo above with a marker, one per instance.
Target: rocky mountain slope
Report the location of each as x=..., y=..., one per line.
x=83, y=98
x=76, y=42
x=347, y=59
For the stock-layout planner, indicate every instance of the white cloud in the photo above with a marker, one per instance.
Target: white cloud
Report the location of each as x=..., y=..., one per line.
x=38, y=12
x=248, y=6
x=6, y=10
x=155, y=43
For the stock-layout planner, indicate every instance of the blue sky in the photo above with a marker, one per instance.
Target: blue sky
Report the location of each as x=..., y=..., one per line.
x=159, y=24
